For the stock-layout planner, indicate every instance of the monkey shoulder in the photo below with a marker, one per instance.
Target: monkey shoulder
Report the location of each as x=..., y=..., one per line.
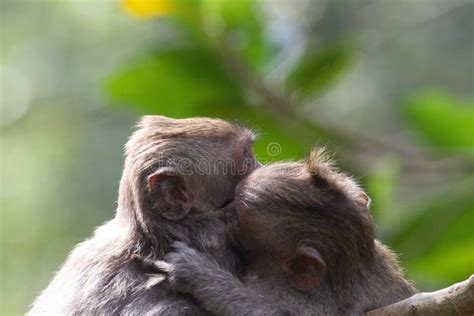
x=98, y=278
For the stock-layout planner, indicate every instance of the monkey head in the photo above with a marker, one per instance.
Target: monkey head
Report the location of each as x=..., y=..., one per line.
x=308, y=217
x=175, y=165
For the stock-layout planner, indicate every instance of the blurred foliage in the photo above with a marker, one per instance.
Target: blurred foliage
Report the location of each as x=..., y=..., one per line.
x=381, y=184
x=456, y=128
x=444, y=228
x=166, y=76
x=318, y=68
x=300, y=73
x=242, y=21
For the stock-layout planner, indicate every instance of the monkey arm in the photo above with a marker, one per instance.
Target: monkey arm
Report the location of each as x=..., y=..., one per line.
x=218, y=291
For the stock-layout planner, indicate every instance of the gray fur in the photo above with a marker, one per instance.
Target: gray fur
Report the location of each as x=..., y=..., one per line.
x=309, y=203
x=101, y=276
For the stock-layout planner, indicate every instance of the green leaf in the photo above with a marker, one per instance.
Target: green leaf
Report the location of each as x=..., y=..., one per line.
x=190, y=83
x=437, y=244
x=440, y=224
x=442, y=120
x=242, y=21
x=445, y=267
x=173, y=83
x=319, y=68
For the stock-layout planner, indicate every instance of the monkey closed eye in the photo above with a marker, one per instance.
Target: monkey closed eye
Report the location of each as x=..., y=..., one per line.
x=227, y=213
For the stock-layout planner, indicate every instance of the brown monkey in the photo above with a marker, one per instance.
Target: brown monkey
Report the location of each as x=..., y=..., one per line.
x=308, y=235
x=177, y=173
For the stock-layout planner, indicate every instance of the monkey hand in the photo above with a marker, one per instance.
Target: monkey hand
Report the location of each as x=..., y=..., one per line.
x=183, y=266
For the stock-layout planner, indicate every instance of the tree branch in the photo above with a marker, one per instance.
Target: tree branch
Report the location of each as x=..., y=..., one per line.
x=458, y=299
x=285, y=109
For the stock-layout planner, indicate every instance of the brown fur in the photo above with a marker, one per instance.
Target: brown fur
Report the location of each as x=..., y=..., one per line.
x=311, y=204
x=101, y=275
x=161, y=142
x=280, y=209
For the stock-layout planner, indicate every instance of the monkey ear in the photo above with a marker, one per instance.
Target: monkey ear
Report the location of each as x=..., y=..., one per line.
x=364, y=199
x=306, y=269
x=169, y=193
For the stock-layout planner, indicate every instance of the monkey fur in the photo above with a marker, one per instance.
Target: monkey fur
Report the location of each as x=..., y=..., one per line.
x=163, y=197
x=308, y=235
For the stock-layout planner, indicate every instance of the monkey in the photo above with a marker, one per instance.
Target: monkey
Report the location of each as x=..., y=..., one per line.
x=177, y=175
x=308, y=234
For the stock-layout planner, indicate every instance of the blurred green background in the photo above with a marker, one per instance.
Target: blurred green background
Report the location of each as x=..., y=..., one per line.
x=385, y=85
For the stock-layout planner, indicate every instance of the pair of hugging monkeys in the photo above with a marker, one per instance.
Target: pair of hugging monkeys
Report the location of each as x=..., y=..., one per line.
x=202, y=228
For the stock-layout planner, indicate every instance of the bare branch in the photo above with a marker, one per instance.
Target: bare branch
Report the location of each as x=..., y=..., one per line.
x=458, y=299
